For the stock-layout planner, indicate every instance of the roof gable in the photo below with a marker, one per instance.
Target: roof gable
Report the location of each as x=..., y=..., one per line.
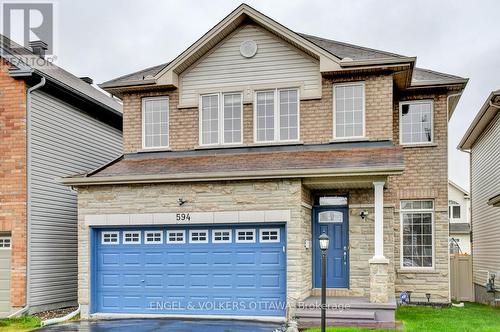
x=242, y=14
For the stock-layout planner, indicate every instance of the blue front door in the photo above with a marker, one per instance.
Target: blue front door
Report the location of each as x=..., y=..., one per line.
x=334, y=222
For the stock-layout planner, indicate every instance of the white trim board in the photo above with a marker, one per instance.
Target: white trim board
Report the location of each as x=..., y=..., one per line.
x=220, y=217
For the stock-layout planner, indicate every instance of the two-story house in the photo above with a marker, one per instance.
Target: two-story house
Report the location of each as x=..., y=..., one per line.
x=459, y=215
x=52, y=124
x=245, y=148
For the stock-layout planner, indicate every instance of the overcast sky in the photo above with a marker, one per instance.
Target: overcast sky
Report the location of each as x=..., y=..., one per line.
x=104, y=39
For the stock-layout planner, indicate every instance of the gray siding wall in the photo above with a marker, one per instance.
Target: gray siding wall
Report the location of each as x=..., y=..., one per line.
x=64, y=141
x=485, y=178
x=276, y=65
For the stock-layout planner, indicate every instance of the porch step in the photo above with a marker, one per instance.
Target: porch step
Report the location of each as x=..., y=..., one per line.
x=330, y=314
x=346, y=311
x=331, y=292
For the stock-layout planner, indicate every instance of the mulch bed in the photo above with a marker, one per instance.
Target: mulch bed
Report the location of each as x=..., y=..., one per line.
x=56, y=313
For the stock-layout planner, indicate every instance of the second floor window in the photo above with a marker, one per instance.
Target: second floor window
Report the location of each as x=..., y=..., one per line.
x=349, y=110
x=221, y=122
x=415, y=122
x=155, y=122
x=453, y=210
x=276, y=115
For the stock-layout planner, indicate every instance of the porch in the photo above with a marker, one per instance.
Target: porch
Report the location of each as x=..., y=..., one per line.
x=346, y=311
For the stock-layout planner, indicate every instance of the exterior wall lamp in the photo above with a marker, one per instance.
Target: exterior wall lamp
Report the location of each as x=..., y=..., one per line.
x=324, y=243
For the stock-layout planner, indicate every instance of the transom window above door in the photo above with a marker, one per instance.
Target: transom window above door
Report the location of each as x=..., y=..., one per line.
x=221, y=119
x=276, y=115
x=155, y=122
x=415, y=121
x=349, y=110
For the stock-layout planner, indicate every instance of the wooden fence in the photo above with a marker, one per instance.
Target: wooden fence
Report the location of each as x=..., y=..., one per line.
x=461, y=277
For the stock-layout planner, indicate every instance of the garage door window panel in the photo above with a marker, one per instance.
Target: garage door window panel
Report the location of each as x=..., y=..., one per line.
x=269, y=235
x=245, y=236
x=152, y=237
x=132, y=237
x=176, y=236
x=221, y=236
x=198, y=236
x=110, y=237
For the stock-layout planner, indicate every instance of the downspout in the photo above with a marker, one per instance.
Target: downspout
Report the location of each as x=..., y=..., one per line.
x=28, y=191
x=447, y=141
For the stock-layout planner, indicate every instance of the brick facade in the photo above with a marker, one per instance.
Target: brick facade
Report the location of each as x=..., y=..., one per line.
x=13, y=177
x=316, y=116
x=424, y=177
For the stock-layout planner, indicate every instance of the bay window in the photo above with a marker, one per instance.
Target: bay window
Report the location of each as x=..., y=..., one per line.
x=276, y=115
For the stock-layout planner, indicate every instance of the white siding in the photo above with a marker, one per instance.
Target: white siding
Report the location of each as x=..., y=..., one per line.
x=276, y=64
x=64, y=141
x=485, y=173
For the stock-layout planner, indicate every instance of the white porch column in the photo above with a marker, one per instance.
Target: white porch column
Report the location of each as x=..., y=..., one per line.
x=379, y=221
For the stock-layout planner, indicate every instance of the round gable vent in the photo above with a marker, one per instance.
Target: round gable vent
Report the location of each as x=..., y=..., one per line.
x=248, y=48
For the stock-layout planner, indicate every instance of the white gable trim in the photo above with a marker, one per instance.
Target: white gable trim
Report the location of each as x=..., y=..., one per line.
x=328, y=62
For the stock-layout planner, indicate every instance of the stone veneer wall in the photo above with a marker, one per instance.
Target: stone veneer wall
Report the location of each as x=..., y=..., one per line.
x=201, y=197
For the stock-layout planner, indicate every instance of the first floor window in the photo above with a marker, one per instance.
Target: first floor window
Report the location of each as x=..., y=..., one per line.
x=153, y=237
x=416, y=122
x=109, y=238
x=155, y=122
x=277, y=115
x=221, y=119
x=349, y=109
x=417, y=233
x=131, y=237
x=198, y=236
x=5, y=242
x=245, y=235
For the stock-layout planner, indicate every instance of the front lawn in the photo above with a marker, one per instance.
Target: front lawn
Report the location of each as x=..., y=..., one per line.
x=471, y=318
x=25, y=323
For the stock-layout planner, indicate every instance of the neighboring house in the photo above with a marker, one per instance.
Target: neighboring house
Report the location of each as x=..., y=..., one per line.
x=246, y=147
x=482, y=141
x=52, y=124
x=459, y=214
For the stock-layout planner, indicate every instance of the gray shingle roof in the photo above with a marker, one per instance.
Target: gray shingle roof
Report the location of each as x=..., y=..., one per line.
x=339, y=49
x=459, y=228
x=343, y=50
x=56, y=74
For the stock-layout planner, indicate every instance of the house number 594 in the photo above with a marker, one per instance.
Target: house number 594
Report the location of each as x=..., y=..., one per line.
x=183, y=217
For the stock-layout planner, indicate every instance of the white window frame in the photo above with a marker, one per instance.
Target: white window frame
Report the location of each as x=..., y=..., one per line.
x=110, y=233
x=402, y=211
x=170, y=231
x=410, y=102
x=3, y=238
x=277, y=125
x=220, y=119
x=451, y=205
x=334, y=110
x=143, y=119
x=261, y=233
x=222, y=241
x=131, y=232
x=146, y=233
x=191, y=231
x=245, y=230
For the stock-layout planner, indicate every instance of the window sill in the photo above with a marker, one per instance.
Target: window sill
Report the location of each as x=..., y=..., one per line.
x=354, y=139
x=228, y=146
x=417, y=270
x=426, y=145
x=155, y=150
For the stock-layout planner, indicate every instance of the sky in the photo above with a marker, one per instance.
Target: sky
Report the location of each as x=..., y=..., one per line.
x=104, y=39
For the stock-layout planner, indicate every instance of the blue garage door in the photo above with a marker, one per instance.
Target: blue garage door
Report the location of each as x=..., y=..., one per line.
x=223, y=270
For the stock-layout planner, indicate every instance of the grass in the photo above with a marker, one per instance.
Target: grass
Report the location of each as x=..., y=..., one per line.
x=25, y=323
x=471, y=318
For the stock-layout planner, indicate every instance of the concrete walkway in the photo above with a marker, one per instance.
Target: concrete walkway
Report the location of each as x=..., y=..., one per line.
x=174, y=325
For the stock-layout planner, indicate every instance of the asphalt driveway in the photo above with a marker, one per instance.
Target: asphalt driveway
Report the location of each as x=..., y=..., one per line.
x=174, y=325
